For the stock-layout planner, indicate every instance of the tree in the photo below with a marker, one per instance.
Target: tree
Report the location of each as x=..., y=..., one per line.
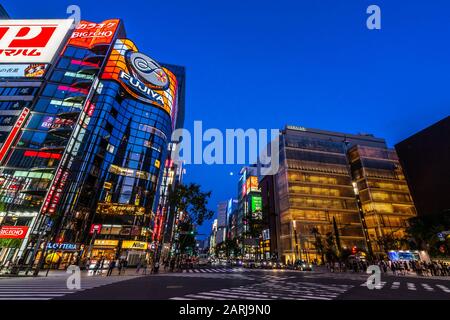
x=423, y=231
x=318, y=244
x=190, y=200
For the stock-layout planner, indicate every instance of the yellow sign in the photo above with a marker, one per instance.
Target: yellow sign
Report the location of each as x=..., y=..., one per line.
x=108, y=243
x=139, y=245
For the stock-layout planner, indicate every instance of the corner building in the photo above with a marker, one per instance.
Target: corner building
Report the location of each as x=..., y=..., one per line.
x=89, y=157
x=316, y=191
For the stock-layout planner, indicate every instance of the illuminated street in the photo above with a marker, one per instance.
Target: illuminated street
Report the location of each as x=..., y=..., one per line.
x=226, y=284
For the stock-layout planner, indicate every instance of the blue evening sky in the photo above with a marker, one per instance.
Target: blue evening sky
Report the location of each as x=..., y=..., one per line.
x=312, y=63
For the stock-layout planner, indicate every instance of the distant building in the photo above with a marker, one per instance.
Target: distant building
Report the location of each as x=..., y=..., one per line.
x=425, y=157
x=212, y=238
x=249, y=212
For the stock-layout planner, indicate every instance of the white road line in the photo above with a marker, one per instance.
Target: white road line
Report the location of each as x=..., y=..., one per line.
x=395, y=285
x=180, y=298
x=444, y=288
x=197, y=296
x=427, y=287
x=411, y=286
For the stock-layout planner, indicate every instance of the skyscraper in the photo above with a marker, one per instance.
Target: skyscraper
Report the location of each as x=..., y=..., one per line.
x=94, y=117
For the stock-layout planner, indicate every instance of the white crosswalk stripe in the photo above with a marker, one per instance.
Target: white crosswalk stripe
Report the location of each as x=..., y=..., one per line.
x=49, y=288
x=412, y=286
x=444, y=288
x=281, y=290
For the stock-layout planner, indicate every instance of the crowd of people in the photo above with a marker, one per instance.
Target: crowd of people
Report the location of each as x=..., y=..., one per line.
x=421, y=268
x=119, y=264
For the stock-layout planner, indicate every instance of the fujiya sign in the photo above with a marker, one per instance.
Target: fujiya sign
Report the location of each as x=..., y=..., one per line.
x=31, y=41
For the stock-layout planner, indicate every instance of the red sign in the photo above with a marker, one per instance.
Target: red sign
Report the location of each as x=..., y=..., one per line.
x=95, y=228
x=88, y=34
x=13, y=232
x=31, y=41
x=12, y=135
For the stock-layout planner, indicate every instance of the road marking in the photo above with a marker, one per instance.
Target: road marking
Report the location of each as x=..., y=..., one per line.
x=444, y=288
x=395, y=285
x=427, y=287
x=411, y=286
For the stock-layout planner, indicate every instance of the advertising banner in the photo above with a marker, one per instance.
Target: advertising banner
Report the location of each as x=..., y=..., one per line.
x=137, y=245
x=34, y=70
x=31, y=41
x=141, y=76
x=13, y=232
x=89, y=34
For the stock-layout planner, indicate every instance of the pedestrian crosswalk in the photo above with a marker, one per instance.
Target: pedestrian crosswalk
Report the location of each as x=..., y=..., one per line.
x=272, y=290
x=215, y=270
x=50, y=288
x=411, y=286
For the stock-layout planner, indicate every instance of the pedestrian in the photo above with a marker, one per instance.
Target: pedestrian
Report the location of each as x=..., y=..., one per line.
x=144, y=266
x=102, y=264
x=139, y=266
x=97, y=266
x=111, y=267
x=120, y=266
x=156, y=267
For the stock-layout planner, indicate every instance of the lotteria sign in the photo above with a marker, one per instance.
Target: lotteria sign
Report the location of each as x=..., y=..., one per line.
x=13, y=232
x=65, y=246
x=31, y=41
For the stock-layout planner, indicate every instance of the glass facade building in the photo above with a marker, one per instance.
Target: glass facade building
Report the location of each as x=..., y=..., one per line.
x=383, y=194
x=87, y=162
x=315, y=192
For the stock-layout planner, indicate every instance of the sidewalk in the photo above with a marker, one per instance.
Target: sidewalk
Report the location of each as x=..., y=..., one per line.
x=84, y=273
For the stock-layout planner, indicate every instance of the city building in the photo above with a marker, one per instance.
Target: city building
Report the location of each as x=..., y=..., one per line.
x=249, y=212
x=212, y=239
x=382, y=194
x=269, y=241
x=425, y=158
x=314, y=194
x=86, y=123
x=222, y=217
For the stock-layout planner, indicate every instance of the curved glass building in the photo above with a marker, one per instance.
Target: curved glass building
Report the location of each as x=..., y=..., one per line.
x=89, y=157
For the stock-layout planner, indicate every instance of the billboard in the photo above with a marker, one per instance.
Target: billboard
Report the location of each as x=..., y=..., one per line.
x=256, y=204
x=31, y=41
x=31, y=70
x=89, y=34
x=251, y=184
x=14, y=132
x=13, y=232
x=141, y=76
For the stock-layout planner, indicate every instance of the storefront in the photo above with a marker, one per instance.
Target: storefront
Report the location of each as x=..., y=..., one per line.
x=135, y=251
x=104, y=248
x=60, y=255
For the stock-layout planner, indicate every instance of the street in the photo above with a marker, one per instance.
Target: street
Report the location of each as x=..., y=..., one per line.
x=220, y=283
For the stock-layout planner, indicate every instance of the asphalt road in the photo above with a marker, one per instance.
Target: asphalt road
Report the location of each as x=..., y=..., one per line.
x=227, y=284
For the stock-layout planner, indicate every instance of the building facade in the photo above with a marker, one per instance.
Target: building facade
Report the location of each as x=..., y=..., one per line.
x=90, y=148
x=315, y=193
x=383, y=195
x=425, y=158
